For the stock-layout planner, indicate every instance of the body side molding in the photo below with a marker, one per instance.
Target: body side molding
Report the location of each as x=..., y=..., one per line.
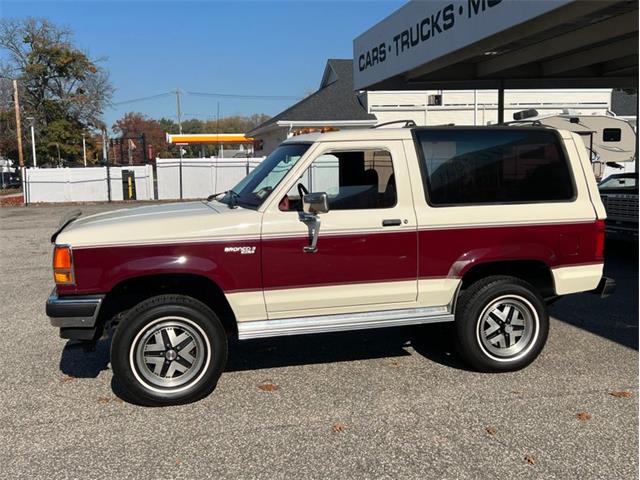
x=342, y=322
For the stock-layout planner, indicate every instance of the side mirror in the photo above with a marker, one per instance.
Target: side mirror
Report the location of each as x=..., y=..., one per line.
x=315, y=203
x=312, y=205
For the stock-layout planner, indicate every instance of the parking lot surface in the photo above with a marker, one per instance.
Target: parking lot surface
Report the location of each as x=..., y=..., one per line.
x=390, y=403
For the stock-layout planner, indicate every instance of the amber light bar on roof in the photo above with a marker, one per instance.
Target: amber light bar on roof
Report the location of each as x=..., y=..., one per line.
x=208, y=138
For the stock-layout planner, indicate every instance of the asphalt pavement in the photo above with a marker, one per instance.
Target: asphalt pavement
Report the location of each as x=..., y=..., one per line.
x=391, y=403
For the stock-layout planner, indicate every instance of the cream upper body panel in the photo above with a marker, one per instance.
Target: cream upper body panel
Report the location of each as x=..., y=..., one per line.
x=168, y=223
x=581, y=156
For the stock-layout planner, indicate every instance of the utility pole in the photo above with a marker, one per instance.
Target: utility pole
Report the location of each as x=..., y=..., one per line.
x=218, y=128
x=84, y=150
x=32, y=121
x=179, y=113
x=16, y=103
x=105, y=159
x=179, y=117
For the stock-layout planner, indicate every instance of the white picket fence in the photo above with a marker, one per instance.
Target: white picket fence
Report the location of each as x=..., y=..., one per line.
x=200, y=176
x=84, y=184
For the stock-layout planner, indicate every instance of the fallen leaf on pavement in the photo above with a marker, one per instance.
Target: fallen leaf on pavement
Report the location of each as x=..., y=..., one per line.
x=491, y=430
x=268, y=387
x=530, y=459
x=583, y=416
x=67, y=378
x=338, y=427
x=620, y=394
x=105, y=400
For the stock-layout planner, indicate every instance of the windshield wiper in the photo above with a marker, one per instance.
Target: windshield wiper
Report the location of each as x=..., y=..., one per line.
x=233, y=197
x=214, y=195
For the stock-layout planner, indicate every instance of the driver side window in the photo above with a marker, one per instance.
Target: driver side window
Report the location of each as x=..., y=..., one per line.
x=352, y=180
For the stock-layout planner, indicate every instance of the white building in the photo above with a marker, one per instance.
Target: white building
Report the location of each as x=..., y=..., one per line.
x=335, y=105
x=480, y=107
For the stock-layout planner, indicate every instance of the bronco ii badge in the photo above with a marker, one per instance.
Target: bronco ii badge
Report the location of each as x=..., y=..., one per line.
x=242, y=250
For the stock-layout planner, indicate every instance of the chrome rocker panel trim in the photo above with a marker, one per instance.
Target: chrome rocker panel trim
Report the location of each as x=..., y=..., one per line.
x=343, y=322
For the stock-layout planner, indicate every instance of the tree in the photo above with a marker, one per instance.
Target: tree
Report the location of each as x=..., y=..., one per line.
x=235, y=124
x=168, y=125
x=60, y=86
x=133, y=125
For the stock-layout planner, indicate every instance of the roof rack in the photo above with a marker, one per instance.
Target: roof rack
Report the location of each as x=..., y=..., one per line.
x=407, y=123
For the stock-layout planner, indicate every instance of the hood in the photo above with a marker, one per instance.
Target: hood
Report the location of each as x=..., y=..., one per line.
x=167, y=223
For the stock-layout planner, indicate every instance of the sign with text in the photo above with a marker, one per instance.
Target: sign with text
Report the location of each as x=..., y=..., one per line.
x=422, y=31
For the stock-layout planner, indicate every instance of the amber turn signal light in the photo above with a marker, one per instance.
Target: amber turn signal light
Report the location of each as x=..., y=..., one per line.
x=62, y=265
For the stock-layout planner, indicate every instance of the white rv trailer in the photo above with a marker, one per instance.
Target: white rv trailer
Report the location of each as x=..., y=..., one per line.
x=610, y=139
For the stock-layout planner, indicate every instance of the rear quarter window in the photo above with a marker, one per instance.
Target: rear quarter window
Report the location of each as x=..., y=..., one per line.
x=493, y=166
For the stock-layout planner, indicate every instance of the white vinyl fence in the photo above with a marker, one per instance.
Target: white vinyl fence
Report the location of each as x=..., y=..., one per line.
x=84, y=184
x=201, y=176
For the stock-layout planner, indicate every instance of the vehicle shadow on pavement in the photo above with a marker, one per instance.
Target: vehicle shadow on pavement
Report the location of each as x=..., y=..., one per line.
x=430, y=341
x=614, y=317
x=77, y=360
x=434, y=342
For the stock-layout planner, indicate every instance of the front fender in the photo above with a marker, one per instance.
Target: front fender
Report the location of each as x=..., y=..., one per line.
x=99, y=269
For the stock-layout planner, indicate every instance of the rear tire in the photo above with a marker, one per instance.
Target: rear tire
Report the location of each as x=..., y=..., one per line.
x=168, y=350
x=501, y=324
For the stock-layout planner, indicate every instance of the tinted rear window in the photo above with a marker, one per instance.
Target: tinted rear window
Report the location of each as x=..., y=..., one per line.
x=480, y=166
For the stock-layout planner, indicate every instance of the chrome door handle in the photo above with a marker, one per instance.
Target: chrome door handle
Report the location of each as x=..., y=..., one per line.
x=391, y=222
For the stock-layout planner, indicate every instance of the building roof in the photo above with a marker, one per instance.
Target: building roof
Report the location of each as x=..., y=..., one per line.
x=335, y=100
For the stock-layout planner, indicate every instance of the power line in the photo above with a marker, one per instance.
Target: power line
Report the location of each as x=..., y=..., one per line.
x=248, y=97
x=142, y=99
x=199, y=115
x=207, y=94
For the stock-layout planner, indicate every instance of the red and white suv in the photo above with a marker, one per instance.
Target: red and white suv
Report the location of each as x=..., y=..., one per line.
x=341, y=231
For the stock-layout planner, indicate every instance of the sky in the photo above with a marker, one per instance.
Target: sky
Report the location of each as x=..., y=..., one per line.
x=276, y=48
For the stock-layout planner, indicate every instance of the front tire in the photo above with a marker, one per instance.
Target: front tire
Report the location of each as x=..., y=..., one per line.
x=501, y=324
x=168, y=350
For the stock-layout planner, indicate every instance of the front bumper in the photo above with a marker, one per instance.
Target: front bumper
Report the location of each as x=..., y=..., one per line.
x=606, y=287
x=76, y=316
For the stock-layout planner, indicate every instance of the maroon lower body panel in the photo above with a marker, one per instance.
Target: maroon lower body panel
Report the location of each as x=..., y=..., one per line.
x=99, y=269
x=341, y=259
x=452, y=252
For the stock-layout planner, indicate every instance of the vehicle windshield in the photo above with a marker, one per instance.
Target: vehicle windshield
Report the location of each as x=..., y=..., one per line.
x=256, y=187
x=619, y=182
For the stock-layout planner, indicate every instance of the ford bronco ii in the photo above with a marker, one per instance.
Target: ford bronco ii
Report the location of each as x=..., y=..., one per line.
x=482, y=227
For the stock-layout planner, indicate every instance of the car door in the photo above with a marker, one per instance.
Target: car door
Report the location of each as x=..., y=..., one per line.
x=366, y=258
